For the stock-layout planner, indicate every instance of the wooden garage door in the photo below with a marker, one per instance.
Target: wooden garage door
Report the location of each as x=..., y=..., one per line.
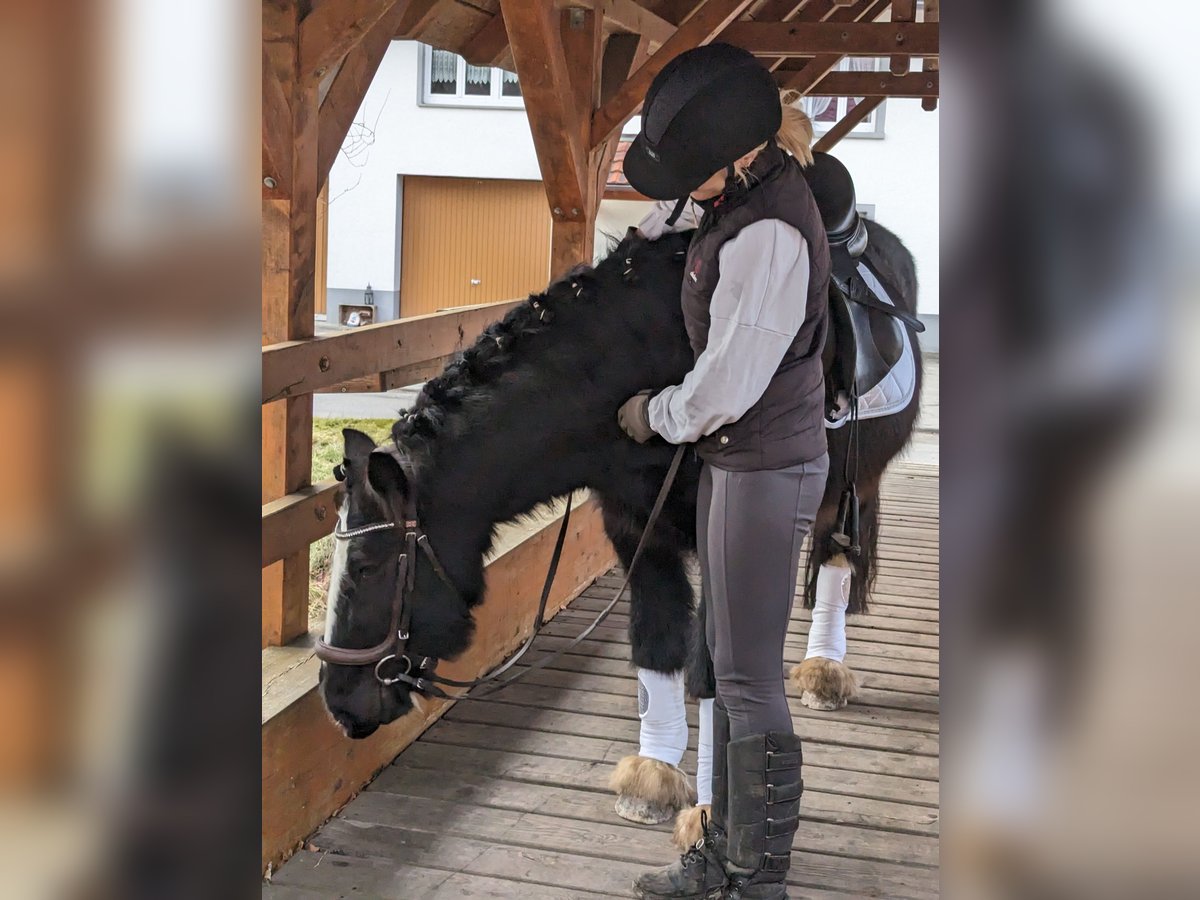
x=466, y=241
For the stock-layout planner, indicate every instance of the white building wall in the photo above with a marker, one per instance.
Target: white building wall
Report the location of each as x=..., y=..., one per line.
x=410, y=139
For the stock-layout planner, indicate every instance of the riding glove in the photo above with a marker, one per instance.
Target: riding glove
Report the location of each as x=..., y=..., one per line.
x=634, y=419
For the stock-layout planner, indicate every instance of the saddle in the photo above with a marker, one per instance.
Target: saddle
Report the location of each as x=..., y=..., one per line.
x=872, y=359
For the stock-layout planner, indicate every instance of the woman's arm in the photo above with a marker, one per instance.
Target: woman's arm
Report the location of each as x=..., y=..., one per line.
x=756, y=311
x=654, y=225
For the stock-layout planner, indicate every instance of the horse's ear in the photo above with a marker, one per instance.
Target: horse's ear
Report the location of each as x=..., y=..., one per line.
x=386, y=475
x=358, y=445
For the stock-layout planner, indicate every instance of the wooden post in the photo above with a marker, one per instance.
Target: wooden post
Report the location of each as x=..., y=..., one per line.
x=290, y=188
x=933, y=13
x=902, y=11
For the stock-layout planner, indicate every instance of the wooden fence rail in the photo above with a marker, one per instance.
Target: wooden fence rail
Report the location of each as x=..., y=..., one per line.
x=419, y=346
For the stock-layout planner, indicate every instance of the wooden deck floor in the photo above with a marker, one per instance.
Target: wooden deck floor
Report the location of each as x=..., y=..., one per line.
x=507, y=798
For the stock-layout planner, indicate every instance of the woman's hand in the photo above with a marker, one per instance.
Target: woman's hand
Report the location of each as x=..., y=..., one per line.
x=634, y=418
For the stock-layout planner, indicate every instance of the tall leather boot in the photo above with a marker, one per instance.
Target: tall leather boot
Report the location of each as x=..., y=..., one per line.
x=700, y=872
x=764, y=812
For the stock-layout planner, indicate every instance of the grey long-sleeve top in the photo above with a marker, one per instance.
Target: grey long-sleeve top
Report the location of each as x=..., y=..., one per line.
x=756, y=310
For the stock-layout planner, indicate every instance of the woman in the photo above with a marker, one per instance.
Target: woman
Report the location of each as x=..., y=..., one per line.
x=754, y=298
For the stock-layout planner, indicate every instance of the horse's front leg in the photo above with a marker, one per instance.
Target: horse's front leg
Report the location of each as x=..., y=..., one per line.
x=650, y=786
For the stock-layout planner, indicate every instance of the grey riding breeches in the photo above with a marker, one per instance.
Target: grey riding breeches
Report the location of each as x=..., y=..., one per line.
x=750, y=527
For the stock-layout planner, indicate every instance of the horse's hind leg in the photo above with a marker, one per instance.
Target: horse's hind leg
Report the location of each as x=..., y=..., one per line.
x=650, y=786
x=833, y=587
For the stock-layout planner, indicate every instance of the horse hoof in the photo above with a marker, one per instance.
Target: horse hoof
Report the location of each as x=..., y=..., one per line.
x=649, y=791
x=642, y=811
x=824, y=684
x=812, y=701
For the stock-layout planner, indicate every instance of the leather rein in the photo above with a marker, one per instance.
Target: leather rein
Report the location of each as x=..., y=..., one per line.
x=417, y=671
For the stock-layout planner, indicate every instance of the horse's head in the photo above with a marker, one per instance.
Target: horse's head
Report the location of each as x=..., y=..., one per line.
x=404, y=611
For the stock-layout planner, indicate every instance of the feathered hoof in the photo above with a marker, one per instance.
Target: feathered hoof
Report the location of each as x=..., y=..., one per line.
x=649, y=791
x=824, y=683
x=687, y=826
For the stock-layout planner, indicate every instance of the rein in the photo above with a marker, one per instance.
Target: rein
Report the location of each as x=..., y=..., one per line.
x=417, y=671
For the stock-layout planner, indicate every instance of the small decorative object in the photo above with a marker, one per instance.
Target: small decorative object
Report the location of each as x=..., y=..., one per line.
x=369, y=296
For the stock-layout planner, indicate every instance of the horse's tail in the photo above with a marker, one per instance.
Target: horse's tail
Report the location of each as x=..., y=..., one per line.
x=700, y=680
x=862, y=564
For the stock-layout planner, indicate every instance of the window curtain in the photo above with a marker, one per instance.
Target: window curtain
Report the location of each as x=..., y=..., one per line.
x=479, y=75
x=444, y=66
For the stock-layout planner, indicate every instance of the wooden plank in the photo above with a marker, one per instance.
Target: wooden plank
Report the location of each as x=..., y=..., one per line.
x=577, y=802
x=309, y=768
x=332, y=29
x=572, y=836
x=327, y=875
x=296, y=368
x=705, y=25
x=830, y=139
x=846, y=38
x=610, y=748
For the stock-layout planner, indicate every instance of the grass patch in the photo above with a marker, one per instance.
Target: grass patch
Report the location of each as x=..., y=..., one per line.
x=327, y=453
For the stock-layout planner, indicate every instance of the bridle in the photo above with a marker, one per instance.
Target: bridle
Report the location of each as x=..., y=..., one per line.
x=417, y=671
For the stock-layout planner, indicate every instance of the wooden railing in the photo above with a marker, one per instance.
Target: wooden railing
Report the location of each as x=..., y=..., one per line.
x=309, y=767
x=404, y=352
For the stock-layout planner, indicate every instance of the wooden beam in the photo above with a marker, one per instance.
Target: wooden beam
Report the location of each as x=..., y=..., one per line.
x=582, y=34
x=846, y=125
x=289, y=240
x=702, y=27
x=902, y=11
x=848, y=39
x=636, y=19
x=346, y=93
x=621, y=56
x=487, y=47
x=933, y=14
x=418, y=15
x=814, y=70
x=276, y=132
x=877, y=84
x=332, y=30
x=295, y=368
x=545, y=76
x=296, y=520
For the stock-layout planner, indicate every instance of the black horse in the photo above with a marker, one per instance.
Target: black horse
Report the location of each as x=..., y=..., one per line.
x=528, y=413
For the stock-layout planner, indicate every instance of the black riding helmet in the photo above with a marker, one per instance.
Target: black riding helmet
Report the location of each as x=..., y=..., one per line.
x=705, y=109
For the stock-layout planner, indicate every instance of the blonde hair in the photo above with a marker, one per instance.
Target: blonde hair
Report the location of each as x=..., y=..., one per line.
x=795, y=133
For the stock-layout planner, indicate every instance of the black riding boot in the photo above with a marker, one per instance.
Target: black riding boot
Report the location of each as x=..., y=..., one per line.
x=700, y=872
x=764, y=812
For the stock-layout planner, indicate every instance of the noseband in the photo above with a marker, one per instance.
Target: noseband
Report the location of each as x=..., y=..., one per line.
x=417, y=671
x=393, y=648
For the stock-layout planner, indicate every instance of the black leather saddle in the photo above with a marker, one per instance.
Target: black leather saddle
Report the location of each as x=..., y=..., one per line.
x=866, y=331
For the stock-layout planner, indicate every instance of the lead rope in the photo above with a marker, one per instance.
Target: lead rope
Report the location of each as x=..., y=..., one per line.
x=491, y=682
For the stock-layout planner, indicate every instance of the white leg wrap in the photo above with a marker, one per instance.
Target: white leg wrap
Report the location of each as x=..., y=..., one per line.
x=704, y=755
x=664, y=721
x=827, y=636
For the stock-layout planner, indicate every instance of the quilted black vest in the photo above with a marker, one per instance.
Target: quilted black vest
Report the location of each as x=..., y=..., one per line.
x=785, y=426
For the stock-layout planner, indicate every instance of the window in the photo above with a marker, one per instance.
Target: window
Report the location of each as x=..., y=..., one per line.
x=828, y=111
x=449, y=80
